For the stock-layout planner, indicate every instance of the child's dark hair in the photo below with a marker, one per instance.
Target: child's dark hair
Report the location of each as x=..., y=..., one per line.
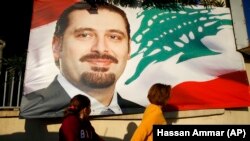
x=77, y=103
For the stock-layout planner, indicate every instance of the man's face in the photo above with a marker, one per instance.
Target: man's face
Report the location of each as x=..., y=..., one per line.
x=94, y=49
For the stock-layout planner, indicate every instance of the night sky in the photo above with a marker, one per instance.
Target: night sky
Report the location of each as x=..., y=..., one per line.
x=15, y=21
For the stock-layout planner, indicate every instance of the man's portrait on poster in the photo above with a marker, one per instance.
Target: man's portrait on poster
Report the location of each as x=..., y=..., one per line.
x=91, y=53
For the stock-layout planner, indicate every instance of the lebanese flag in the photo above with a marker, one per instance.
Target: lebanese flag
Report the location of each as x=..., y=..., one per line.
x=198, y=80
x=205, y=82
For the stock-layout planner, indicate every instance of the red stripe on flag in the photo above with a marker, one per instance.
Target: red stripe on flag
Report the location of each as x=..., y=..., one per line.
x=227, y=91
x=46, y=11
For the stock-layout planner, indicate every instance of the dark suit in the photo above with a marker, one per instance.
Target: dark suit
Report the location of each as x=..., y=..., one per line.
x=52, y=101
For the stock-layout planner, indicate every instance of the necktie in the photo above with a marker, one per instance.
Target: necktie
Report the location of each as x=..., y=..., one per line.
x=107, y=112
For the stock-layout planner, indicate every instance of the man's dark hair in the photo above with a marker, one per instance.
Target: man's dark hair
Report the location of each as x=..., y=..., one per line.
x=63, y=20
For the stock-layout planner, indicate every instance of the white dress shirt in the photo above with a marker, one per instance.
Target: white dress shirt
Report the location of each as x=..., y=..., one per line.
x=96, y=106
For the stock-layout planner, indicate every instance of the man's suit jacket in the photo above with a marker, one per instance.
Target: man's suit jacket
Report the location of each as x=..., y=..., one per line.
x=52, y=101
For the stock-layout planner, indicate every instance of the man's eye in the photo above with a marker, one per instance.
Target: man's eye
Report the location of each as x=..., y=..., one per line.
x=84, y=35
x=115, y=37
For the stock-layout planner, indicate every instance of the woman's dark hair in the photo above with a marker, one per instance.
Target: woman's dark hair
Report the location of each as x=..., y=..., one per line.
x=77, y=103
x=159, y=93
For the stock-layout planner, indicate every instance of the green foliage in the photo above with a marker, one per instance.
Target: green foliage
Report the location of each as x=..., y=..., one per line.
x=14, y=64
x=163, y=4
x=216, y=3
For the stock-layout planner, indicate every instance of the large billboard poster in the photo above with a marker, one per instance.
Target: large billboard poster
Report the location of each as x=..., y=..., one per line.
x=192, y=49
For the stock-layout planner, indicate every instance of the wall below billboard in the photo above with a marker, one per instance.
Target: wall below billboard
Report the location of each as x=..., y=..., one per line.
x=110, y=130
